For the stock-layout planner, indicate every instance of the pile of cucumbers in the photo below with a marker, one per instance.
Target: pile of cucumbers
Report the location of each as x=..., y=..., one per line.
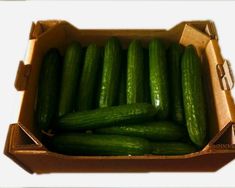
x=106, y=100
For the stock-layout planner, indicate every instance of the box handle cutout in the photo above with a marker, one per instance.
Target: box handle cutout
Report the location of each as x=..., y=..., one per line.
x=22, y=76
x=225, y=75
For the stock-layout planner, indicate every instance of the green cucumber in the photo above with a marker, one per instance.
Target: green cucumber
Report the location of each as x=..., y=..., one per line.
x=110, y=75
x=158, y=78
x=193, y=96
x=70, y=77
x=174, y=61
x=99, y=145
x=86, y=92
x=135, y=73
x=156, y=131
x=102, y=117
x=123, y=79
x=48, y=89
x=147, y=97
x=172, y=148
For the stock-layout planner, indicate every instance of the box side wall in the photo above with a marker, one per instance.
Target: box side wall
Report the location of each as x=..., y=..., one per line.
x=42, y=163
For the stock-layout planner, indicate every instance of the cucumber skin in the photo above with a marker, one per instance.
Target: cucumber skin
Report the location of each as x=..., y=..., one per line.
x=174, y=61
x=85, y=99
x=158, y=78
x=48, y=89
x=135, y=73
x=103, y=117
x=172, y=148
x=99, y=145
x=122, y=88
x=147, y=97
x=70, y=78
x=193, y=96
x=155, y=131
x=110, y=74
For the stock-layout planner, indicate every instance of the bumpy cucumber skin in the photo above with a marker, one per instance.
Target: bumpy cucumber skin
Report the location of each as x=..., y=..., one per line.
x=103, y=117
x=174, y=61
x=155, y=131
x=70, y=77
x=99, y=145
x=86, y=91
x=158, y=78
x=48, y=89
x=123, y=79
x=110, y=75
x=193, y=96
x=135, y=73
x=147, y=97
x=172, y=148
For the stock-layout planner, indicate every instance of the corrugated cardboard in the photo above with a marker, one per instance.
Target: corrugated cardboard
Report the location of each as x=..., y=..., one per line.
x=23, y=142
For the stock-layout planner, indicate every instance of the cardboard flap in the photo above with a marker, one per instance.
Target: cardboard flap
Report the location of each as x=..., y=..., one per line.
x=224, y=140
x=20, y=141
x=193, y=36
x=22, y=76
x=40, y=27
x=20, y=138
x=221, y=85
x=206, y=26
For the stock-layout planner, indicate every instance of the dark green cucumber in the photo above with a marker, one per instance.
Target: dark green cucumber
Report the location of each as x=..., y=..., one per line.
x=99, y=79
x=48, y=89
x=147, y=97
x=156, y=131
x=193, y=96
x=135, y=73
x=70, y=77
x=175, y=53
x=99, y=145
x=102, y=117
x=110, y=75
x=158, y=78
x=172, y=148
x=86, y=91
x=123, y=79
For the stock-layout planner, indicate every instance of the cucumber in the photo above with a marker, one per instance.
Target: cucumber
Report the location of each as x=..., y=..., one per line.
x=172, y=148
x=99, y=145
x=86, y=91
x=193, y=96
x=102, y=117
x=147, y=97
x=110, y=75
x=135, y=73
x=155, y=131
x=159, y=78
x=176, y=99
x=70, y=77
x=99, y=79
x=123, y=79
x=48, y=89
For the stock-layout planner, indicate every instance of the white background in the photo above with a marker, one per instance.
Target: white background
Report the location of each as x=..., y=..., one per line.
x=15, y=22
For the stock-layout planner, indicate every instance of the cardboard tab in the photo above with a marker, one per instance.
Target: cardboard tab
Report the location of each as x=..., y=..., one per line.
x=22, y=76
x=225, y=75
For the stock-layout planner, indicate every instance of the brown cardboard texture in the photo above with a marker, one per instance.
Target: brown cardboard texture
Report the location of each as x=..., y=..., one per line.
x=23, y=143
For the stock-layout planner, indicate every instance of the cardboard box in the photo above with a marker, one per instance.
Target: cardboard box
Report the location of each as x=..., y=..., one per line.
x=23, y=143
